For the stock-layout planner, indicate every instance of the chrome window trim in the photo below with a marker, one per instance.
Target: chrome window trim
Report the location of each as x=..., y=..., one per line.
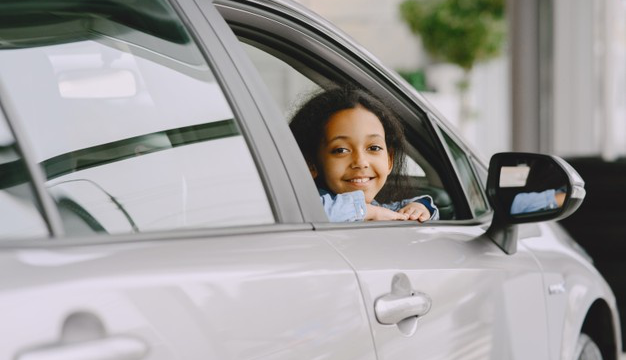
x=483, y=220
x=174, y=235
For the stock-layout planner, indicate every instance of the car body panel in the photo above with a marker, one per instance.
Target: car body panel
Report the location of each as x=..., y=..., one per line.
x=572, y=286
x=202, y=298
x=480, y=296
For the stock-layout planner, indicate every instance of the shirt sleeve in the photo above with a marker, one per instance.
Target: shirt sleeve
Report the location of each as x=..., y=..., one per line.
x=425, y=200
x=344, y=207
x=533, y=201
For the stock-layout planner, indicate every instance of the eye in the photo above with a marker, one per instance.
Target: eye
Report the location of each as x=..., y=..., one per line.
x=339, y=151
x=375, y=148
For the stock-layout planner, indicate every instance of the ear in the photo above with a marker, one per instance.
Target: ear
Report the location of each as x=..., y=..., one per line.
x=313, y=170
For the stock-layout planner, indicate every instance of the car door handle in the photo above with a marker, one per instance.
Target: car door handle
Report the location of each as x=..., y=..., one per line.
x=110, y=348
x=392, y=308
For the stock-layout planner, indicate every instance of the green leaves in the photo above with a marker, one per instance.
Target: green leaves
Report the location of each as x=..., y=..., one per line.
x=461, y=32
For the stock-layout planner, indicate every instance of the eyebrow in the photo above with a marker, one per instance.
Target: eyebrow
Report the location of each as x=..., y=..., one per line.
x=343, y=137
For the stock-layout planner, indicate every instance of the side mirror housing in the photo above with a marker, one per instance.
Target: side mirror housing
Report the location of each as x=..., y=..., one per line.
x=527, y=187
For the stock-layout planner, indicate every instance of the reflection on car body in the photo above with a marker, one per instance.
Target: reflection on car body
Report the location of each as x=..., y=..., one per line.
x=155, y=204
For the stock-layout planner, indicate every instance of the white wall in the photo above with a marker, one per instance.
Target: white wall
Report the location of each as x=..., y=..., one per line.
x=376, y=25
x=590, y=78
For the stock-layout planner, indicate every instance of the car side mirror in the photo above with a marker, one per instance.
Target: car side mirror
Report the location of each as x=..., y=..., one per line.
x=527, y=187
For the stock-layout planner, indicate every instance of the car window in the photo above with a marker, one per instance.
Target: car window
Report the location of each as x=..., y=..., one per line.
x=481, y=171
x=469, y=181
x=128, y=121
x=20, y=214
x=292, y=76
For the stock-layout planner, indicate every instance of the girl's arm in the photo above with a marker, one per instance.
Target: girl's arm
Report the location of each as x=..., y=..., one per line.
x=416, y=211
x=344, y=207
x=351, y=206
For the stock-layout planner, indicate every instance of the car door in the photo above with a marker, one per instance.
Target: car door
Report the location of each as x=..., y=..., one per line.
x=470, y=299
x=446, y=291
x=151, y=216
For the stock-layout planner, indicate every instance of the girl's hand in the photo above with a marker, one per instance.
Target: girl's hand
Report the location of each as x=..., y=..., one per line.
x=380, y=213
x=416, y=211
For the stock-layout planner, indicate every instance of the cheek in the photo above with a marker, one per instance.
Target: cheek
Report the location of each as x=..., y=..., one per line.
x=331, y=166
x=333, y=169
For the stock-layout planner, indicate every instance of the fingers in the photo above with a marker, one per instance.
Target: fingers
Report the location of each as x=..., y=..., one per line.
x=413, y=212
x=380, y=213
x=398, y=215
x=418, y=213
x=402, y=216
x=419, y=216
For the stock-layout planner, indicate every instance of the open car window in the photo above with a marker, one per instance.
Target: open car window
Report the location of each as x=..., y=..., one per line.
x=292, y=72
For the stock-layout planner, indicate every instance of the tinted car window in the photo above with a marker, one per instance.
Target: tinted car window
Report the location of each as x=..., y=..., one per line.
x=125, y=116
x=20, y=215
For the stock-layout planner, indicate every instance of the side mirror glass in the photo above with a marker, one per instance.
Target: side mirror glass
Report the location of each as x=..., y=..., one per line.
x=525, y=187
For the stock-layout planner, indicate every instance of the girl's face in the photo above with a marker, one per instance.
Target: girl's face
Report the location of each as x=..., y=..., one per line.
x=353, y=154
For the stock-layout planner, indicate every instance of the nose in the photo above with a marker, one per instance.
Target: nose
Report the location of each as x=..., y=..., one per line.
x=359, y=160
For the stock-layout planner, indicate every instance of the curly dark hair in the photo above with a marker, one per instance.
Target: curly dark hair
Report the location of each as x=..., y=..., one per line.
x=308, y=127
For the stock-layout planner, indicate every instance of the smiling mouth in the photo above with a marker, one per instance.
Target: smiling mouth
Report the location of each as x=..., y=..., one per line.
x=359, y=180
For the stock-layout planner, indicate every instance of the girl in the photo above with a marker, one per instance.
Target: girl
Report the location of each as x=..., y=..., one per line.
x=352, y=143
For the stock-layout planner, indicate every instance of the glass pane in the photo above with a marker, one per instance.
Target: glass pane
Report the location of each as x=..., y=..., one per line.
x=468, y=179
x=127, y=119
x=20, y=215
x=286, y=85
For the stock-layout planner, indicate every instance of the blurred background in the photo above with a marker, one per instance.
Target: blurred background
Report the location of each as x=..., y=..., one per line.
x=532, y=75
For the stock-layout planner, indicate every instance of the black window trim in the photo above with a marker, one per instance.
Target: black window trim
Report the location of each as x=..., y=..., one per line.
x=200, y=234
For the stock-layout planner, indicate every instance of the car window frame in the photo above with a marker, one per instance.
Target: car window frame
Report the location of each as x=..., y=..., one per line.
x=216, y=43
x=471, y=159
x=275, y=147
x=344, y=60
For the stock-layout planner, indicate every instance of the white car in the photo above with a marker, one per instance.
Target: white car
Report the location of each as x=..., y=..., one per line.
x=154, y=204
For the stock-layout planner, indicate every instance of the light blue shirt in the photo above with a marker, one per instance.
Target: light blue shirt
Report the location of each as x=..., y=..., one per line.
x=350, y=206
x=534, y=201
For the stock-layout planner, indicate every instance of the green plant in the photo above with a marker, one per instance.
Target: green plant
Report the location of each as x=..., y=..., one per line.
x=416, y=78
x=461, y=32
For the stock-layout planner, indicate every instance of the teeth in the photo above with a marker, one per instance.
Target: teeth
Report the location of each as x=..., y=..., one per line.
x=360, y=180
